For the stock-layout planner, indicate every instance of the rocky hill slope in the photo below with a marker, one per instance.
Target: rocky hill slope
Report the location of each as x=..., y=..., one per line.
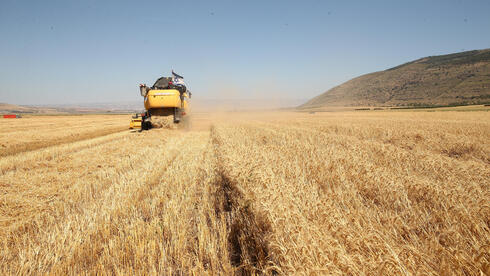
x=454, y=79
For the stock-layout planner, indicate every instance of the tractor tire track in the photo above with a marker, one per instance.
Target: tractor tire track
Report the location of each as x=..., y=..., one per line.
x=248, y=230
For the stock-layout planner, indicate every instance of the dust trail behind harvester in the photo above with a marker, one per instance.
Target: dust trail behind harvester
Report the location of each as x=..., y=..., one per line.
x=163, y=122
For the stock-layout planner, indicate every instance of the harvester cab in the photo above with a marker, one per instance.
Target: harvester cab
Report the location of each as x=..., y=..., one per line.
x=166, y=102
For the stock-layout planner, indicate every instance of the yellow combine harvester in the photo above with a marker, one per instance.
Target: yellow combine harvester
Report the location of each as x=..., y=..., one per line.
x=135, y=121
x=167, y=98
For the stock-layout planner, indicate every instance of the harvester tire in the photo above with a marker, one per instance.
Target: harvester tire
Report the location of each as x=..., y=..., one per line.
x=145, y=125
x=177, y=116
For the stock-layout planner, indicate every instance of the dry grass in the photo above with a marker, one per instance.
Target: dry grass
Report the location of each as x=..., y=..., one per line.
x=31, y=133
x=330, y=193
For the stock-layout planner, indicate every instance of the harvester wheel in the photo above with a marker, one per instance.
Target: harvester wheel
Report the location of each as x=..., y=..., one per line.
x=177, y=115
x=145, y=125
x=148, y=125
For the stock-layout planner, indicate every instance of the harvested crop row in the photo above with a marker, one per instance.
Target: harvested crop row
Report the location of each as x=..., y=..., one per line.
x=15, y=149
x=35, y=215
x=63, y=129
x=41, y=157
x=60, y=123
x=152, y=209
x=162, y=224
x=180, y=222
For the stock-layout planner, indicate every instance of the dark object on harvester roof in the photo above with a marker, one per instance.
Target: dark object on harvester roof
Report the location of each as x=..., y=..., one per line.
x=176, y=75
x=162, y=83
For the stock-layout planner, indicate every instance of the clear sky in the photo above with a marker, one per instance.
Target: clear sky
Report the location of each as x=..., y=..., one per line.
x=55, y=52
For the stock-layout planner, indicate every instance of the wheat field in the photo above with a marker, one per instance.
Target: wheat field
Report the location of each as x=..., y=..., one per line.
x=377, y=193
x=41, y=131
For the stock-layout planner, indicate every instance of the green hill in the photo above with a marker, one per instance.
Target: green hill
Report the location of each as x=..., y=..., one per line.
x=455, y=79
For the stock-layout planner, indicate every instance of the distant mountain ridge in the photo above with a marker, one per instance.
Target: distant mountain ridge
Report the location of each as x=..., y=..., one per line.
x=67, y=109
x=454, y=79
x=197, y=104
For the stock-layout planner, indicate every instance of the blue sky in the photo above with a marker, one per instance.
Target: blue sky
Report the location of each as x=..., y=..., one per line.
x=55, y=52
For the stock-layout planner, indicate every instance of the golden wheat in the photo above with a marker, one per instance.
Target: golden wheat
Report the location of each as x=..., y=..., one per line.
x=288, y=193
x=30, y=133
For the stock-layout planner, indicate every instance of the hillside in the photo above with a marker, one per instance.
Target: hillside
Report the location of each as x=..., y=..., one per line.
x=12, y=108
x=454, y=79
x=6, y=108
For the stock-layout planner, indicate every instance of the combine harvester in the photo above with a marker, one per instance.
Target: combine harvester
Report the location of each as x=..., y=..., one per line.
x=166, y=104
